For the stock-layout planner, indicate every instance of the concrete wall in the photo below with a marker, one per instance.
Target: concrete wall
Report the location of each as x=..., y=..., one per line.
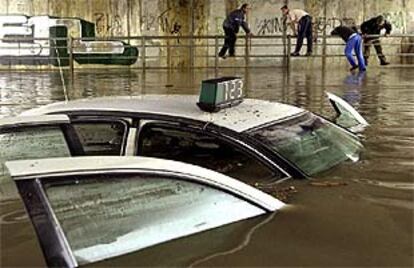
x=132, y=18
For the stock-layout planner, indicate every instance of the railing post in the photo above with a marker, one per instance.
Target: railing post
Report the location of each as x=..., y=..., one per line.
x=284, y=42
x=143, y=52
x=216, y=47
x=71, y=54
x=192, y=51
x=246, y=51
x=325, y=3
x=324, y=50
x=289, y=44
x=168, y=53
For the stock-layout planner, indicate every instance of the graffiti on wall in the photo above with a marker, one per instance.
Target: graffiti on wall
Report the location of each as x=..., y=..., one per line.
x=160, y=22
x=275, y=25
x=322, y=23
x=108, y=24
x=397, y=20
x=41, y=40
x=219, y=25
x=269, y=26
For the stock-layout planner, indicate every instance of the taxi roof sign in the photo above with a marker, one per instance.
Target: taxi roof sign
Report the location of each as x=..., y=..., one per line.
x=219, y=93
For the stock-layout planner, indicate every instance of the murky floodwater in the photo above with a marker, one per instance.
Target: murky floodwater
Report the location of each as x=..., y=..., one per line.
x=365, y=221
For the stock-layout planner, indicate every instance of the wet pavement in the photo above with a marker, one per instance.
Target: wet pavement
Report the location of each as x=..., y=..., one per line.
x=358, y=214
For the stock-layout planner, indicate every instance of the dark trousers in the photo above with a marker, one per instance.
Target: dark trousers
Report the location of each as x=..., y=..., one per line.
x=377, y=45
x=304, y=30
x=229, y=42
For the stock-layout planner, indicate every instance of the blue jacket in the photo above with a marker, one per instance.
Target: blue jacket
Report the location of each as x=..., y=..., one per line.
x=236, y=19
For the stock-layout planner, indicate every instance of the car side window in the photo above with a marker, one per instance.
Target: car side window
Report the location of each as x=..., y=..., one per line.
x=104, y=216
x=32, y=143
x=203, y=150
x=100, y=137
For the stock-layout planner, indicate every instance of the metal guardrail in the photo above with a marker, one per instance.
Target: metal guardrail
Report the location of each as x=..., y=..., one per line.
x=268, y=49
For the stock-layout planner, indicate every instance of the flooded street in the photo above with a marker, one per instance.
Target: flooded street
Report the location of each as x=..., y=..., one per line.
x=365, y=218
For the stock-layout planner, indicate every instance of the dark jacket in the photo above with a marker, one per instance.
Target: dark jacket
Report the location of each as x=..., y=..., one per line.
x=344, y=32
x=236, y=19
x=372, y=26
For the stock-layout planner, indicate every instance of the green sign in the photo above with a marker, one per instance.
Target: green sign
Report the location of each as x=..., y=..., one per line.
x=220, y=93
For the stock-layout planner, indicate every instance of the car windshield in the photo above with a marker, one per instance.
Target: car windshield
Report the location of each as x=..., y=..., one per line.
x=310, y=142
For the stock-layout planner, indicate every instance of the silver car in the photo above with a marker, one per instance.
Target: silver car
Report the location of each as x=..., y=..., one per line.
x=257, y=141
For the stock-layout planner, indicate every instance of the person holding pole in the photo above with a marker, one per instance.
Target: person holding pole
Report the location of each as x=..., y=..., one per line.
x=373, y=27
x=231, y=26
x=301, y=24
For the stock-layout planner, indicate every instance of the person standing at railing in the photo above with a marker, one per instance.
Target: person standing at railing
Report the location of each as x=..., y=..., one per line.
x=301, y=24
x=231, y=26
x=373, y=27
x=353, y=41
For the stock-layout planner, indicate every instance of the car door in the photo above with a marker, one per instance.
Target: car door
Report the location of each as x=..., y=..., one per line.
x=199, y=147
x=28, y=137
x=88, y=209
x=346, y=115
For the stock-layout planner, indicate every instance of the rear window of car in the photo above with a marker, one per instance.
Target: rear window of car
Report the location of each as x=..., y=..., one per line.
x=32, y=143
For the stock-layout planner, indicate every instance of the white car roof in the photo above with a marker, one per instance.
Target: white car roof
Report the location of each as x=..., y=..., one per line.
x=35, y=119
x=249, y=114
x=23, y=169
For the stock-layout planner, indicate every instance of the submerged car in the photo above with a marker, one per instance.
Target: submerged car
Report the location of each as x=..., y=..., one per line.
x=88, y=209
x=256, y=140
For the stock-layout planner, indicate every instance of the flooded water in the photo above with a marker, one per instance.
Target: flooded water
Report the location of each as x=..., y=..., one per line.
x=364, y=219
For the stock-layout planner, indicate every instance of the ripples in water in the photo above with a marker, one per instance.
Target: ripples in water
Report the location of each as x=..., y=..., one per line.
x=393, y=185
x=391, y=202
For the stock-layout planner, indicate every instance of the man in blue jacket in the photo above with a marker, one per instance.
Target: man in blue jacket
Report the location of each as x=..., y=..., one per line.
x=231, y=26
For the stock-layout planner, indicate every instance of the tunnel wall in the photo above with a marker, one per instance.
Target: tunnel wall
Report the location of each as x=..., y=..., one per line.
x=131, y=19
